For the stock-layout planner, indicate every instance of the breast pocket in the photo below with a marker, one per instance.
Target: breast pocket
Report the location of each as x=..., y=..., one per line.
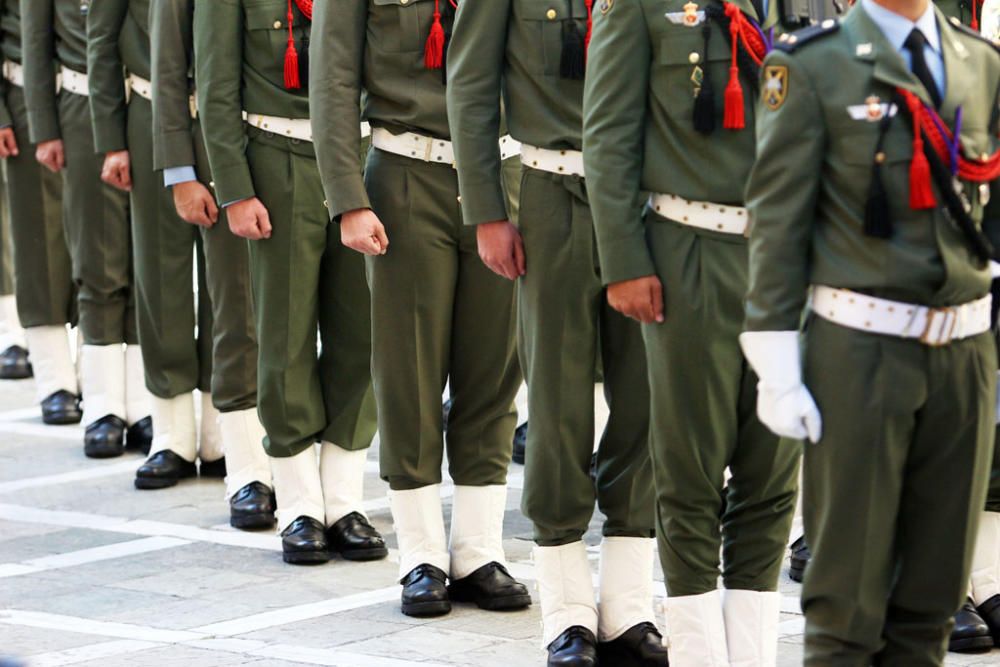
x=544, y=22
x=401, y=26
x=267, y=27
x=684, y=67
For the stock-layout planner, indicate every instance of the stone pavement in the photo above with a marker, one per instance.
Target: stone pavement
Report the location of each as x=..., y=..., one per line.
x=94, y=573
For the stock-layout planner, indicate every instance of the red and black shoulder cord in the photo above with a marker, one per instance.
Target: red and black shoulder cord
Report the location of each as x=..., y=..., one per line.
x=297, y=59
x=749, y=47
x=938, y=160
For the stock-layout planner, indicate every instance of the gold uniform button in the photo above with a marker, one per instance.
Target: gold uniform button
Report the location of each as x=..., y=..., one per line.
x=694, y=57
x=550, y=15
x=277, y=25
x=403, y=2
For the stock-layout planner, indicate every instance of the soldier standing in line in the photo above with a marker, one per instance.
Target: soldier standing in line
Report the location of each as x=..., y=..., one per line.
x=563, y=319
x=669, y=109
x=438, y=313
x=41, y=258
x=868, y=193
x=96, y=221
x=179, y=151
x=14, y=362
x=248, y=54
x=176, y=362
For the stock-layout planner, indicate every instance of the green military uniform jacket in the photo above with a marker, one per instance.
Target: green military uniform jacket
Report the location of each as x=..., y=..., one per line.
x=117, y=43
x=172, y=34
x=381, y=42
x=515, y=47
x=53, y=33
x=808, y=189
x=644, y=137
x=10, y=49
x=240, y=53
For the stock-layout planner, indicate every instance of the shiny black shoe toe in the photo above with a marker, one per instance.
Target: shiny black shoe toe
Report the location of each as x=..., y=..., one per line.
x=576, y=647
x=60, y=408
x=800, y=558
x=105, y=438
x=971, y=634
x=492, y=588
x=639, y=646
x=252, y=507
x=354, y=538
x=989, y=611
x=425, y=592
x=14, y=364
x=216, y=468
x=304, y=542
x=163, y=469
x=140, y=436
x=520, y=443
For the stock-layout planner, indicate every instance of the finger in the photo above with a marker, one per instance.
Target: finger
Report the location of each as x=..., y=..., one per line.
x=519, y=261
x=201, y=218
x=14, y=150
x=125, y=176
x=60, y=160
x=264, y=223
x=383, y=239
x=814, y=425
x=656, y=299
x=212, y=210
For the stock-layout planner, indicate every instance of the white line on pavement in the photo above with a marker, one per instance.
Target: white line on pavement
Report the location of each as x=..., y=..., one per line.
x=92, y=555
x=43, y=431
x=86, y=474
x=86, y=626
x=74, y=656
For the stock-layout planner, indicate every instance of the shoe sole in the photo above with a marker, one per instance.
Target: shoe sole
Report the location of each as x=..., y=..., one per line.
x=615, y=656
x=103, y=455
x=306, y=557
x=364, y=554
x=61, y=419
x=505, y=603
x=427, y=609
x=151, y=484
x=4, y=375
x=971, y=645
x=259, y=522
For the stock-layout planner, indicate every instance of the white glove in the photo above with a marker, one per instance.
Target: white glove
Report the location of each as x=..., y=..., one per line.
x=784, y=404
x=989, y=20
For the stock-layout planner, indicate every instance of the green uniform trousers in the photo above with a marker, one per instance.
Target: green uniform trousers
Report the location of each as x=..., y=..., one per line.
x=439, y=315
x=563, y=321
x=305, y=279
x=46, y=295
x=6, y=251
x=97, y=228
x=892, y=492
x=704, y=419
x=993, y=493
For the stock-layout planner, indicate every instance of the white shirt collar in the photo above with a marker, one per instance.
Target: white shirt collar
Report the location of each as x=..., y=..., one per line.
x=897, y=28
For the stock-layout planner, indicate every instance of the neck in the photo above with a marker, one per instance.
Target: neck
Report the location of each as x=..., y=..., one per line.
x=908, y=9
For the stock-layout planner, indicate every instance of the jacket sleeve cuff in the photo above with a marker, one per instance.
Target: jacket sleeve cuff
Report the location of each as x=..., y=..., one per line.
x=174, y=149
x=109, y=137
x=625, y=259
x=483, y=202
x=43, y=125
x=345, y=193
x=233, y=183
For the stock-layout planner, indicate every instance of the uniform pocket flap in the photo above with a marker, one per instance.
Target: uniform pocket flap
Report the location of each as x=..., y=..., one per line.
x=543, y=11
x=686, y=46
x=266, y=16
x=399, y=3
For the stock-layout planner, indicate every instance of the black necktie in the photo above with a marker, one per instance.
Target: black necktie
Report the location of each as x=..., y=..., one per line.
x=915, y=44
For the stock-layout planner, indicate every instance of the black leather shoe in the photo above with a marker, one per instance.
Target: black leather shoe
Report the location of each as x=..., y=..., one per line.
x=105, y=438
x=425, y=592
x=215, y=468
x=354, y=538
x=576, y=647
x=520, y=442
x=304, y=542
x=989, y=611
x=14, y=364
x=252, y=507
x=971, y=634
x=492, y=588
x=640, y=646
x=140, y=435
x=800, y=558
x=61, y=407
x=163, y=469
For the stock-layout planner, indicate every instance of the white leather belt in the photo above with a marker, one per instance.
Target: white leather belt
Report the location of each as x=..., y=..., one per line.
x=931, y=326
x=14, y=73
x=556, y=162
x=428, y=149
x=701, y=214
x=293, y=128
x=140, y=87
x=74, y=82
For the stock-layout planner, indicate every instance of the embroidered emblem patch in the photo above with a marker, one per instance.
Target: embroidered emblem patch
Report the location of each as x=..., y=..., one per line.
x=606, y=6
x=775, y=88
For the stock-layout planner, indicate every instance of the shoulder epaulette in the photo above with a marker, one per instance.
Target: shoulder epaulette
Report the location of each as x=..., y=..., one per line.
x=961, y=27
x=789, y=42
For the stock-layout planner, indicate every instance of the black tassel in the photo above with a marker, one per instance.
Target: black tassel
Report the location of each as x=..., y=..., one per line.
x=704, y=100
x=573, y=61
x=304, y=62
x=878, y=221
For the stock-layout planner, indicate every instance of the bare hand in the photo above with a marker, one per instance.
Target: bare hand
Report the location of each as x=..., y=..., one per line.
x=501, y=248
x=51, y=154
x=195, y=204
x=361, y=230
x=249, y=219
x=640, y=298
x=8, y=143
x=117, y=170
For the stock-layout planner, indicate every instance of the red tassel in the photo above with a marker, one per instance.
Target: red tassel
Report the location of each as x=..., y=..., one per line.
x=590, y=26
x=974, y=23
x=434, y=48
x=292, y=81
x=921, y=190
x=732, y=117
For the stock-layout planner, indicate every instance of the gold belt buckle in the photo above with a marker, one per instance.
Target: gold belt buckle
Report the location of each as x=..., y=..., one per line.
x=941, y=335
